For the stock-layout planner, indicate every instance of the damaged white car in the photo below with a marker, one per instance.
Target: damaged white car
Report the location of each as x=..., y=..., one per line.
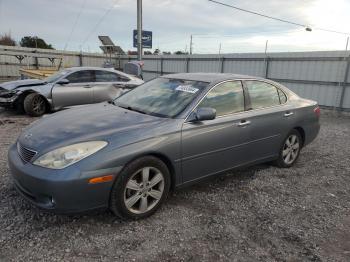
x=69, y=87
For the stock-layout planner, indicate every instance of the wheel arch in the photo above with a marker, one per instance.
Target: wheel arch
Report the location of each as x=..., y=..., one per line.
x=30, y=91
x=165, y=159
x=301, y=132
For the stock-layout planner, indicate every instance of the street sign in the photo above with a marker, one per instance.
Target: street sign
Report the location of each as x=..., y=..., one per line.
x=146, y=39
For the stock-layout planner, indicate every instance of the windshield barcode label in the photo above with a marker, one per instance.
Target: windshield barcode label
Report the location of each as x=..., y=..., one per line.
x=187, y=88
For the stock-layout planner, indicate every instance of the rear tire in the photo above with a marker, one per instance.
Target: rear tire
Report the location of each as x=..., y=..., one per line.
x=290, y=149
x=140, y=189
x=34, y=104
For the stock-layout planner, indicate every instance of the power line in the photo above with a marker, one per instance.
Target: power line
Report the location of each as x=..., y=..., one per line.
x=98, y=23
x=275, y=18
x=240, y=34
x=75, y=24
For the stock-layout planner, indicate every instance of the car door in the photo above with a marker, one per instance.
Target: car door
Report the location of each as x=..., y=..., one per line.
x=270, y=116
x=215, y=145
x=108, y=86
x=77, y=92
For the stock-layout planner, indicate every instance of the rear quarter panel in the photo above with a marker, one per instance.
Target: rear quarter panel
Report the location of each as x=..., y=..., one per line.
x=306, y=118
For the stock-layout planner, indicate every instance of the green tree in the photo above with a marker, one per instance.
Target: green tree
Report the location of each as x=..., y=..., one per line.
x=6, y=39
x=180, y=53
x=34, y=42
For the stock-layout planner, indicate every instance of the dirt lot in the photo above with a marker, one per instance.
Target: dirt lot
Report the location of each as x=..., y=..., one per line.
x=260, y=213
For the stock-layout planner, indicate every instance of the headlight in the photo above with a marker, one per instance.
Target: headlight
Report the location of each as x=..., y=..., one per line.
x=68, y=155
x=9, y=94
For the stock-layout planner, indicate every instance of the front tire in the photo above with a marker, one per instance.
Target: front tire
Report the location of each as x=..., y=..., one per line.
x=140, y=189
x=290, y=149
x=34, y=105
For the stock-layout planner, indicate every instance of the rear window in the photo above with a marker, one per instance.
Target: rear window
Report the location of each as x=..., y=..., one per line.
x=105, y=76
x=262, y=94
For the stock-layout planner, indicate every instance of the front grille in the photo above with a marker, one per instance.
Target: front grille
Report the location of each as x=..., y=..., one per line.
x=25, y=153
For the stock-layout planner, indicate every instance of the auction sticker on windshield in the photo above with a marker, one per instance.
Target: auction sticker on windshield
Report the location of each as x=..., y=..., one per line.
x=187, y=88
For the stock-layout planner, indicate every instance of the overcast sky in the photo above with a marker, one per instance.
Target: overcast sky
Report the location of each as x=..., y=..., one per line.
x=173, y=21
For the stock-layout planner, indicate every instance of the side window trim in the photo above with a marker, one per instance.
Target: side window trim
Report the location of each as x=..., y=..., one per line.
x=204, y=96
x=92, y=76
x=118, y=77
x=247, y=103
x=266, y=82
x=280, y=90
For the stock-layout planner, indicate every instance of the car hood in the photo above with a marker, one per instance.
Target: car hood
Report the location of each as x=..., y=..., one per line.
x=21, y=83
x=99, y=121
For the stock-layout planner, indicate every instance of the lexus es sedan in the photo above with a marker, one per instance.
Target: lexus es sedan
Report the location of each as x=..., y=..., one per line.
x=169, y=132
x=69, y=87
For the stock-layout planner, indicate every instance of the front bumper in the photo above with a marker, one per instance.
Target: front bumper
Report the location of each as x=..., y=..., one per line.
x=62, y=191
x=8, y=102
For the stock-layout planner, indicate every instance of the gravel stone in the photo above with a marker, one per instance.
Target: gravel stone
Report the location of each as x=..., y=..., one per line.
x=261, y=213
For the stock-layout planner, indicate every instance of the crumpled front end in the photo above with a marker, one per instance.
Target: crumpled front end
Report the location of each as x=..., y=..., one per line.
x=8, y=98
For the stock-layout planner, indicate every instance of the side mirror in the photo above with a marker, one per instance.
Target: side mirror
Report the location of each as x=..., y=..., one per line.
x=63, y=81
x=203, y=113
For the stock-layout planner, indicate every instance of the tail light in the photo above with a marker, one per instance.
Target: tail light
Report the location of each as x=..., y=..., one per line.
x=317, y=111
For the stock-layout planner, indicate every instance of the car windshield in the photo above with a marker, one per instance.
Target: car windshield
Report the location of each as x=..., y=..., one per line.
x=162, y=97
x=53, y=78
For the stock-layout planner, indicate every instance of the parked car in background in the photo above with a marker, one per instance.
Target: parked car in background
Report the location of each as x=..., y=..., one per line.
x=169, y=132
x=69, y=87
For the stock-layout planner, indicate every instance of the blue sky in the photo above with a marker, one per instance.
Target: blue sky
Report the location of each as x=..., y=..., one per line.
x=173, y=21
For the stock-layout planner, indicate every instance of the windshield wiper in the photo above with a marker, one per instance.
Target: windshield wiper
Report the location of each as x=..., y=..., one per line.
x=133, y=109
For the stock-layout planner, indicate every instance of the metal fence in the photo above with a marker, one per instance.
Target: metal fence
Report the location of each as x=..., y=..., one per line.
x=322, y=76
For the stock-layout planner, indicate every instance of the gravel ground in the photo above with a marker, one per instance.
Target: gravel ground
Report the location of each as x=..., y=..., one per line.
x=259, y=213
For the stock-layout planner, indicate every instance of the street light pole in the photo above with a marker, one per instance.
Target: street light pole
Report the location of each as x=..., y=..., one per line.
x=139, y=30
x=191, y=44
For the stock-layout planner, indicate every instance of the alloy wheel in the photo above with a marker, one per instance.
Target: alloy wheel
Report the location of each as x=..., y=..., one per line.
x=144, y=190
x=38, y=105
x=291, y=149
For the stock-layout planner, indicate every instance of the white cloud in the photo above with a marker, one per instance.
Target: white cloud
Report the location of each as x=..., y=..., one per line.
x=172, y=23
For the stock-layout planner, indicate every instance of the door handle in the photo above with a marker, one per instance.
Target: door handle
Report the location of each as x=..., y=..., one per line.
x=287, y=114
x=244, y=123
x=86, y=86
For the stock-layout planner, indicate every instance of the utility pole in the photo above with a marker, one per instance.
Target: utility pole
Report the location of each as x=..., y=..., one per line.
x=191, y=44
x=220, y=49
x=266, y=43
x=139, y=30
x=347, y=43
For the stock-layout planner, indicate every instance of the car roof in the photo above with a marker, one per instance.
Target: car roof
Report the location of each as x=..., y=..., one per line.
x=78, y=68
x=209, y=77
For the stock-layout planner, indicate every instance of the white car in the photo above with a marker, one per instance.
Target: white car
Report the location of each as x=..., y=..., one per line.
x=69, y=87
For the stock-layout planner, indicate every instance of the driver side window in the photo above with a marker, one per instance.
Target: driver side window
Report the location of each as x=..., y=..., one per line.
x=226, y=98
x=83, y=76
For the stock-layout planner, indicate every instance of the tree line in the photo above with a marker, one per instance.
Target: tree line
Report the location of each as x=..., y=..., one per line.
x=37, y=42
x=26, y=41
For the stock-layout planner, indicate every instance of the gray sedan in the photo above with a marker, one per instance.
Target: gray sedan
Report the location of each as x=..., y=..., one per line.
x=169, y=132
x=69, y=87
